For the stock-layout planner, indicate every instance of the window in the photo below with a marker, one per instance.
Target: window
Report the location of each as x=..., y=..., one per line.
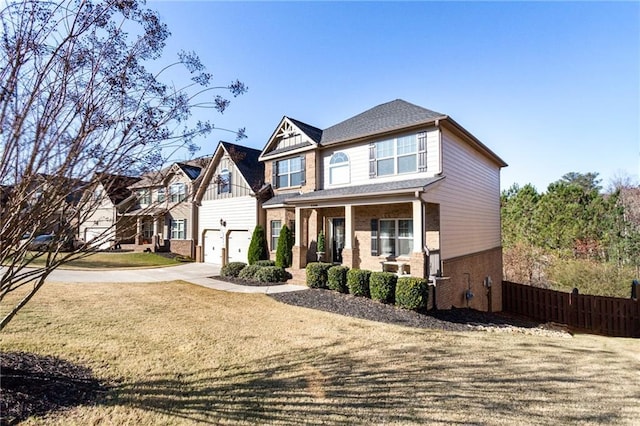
x=178, y=229
x=224, y=182
x=339, y=168
x=177, y=192
x=161, y=195
x=97, y=194
x=289, y=172
x=404, y=154
x=276, y=225
x=147, y=230
x=396, y=237
x=145, y=196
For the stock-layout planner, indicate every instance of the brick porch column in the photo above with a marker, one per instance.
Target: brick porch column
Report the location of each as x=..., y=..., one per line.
x=418, y=256
x=347, y=251
x=299, y=251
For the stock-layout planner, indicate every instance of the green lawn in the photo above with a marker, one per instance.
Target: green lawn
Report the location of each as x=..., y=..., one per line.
x=175, y=353
x=116, y=260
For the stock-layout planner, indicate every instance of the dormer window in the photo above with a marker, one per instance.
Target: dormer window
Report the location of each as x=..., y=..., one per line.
x=224, y=182
x=339, y=169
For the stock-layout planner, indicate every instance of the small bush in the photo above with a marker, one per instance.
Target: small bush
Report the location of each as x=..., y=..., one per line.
x=317, y=274
x=284, y=253
x=249, y=272
x=258, y=246
x=411, y=293
x=337, y=278
x=265, y=263
x=232, y=269
x=358, y=282
x=270, y=274
x=382, y=286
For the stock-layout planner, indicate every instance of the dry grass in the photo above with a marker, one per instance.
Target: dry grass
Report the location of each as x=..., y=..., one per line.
x=176, y=353
x=115, y=260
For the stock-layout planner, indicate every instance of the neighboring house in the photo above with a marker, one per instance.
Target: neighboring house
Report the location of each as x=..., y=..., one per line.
x=101, y=214
x=229, y=204
x=397, y=187
x=166, y=216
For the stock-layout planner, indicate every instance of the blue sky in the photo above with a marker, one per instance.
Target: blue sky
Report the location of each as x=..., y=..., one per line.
x=550, y=87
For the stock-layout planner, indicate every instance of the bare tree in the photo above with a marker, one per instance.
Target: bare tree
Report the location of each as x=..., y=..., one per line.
x=77, y=100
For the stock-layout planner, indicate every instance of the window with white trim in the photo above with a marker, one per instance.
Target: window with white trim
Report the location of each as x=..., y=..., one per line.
x=178, y=229
x=177, y=192
x=339, y=168
x=399, y=155
x=396, y=237
x=289, y=172
x=161, y=194
x=224, y=181
x=145, y=196
x=276, y=226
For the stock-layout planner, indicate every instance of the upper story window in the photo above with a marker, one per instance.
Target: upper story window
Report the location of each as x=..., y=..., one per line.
x=145, y=196
x=161, y=195
x=177, y=192
x=224, y=182
x=403, y=154
x=339, y=168
x=97, y=194
x=289, y=172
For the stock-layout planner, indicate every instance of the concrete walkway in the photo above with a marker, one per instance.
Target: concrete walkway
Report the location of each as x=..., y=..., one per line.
x=195, y=273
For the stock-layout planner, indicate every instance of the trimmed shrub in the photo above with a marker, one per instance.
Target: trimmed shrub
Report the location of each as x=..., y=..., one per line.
x=337, y=278
x=270, y=274
x=265, y=263
x=249, y=272
x=358, y=282
x=382, y=286
x=232, y=269
x=283, y=251
x=317, y=274
x=321, y=242
x=258, y=246
x=411, y=293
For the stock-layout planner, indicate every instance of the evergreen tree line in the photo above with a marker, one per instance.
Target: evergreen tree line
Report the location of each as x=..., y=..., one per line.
x=574, y=219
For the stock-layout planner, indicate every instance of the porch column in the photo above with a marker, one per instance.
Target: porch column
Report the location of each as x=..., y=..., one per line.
x=139, y=228
x=298, y=226
x=348, y=226
x=418, y=258
x=418, y=226
x=298, y=252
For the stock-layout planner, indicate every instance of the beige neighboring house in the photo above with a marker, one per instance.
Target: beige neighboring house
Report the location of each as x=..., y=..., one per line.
x=165, y=213
x=101, y=216
x=229, y=204
x=397, y=187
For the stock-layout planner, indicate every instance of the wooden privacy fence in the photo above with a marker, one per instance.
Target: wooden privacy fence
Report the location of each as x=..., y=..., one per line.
x=610, y=316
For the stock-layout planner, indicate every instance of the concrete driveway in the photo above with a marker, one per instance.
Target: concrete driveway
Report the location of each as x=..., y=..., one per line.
x=195, y=273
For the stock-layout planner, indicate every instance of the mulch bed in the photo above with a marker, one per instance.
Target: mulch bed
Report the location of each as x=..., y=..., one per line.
x=34, y=385
x=364, y=308
x=240, y=281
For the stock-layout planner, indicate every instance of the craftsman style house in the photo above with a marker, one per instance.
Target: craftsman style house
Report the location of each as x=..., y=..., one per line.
x=101, y=220
x=397, y=187
x=165, y=213
x=229, y=204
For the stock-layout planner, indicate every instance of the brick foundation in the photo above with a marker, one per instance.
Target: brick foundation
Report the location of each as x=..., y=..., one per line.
x=468, y=273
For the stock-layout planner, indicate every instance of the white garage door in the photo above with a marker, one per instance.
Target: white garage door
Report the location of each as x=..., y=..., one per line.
x=239, y=246
x=91, y=234
x=213, y=245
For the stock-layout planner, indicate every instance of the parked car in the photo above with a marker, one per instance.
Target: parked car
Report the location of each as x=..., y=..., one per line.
x=46, y=242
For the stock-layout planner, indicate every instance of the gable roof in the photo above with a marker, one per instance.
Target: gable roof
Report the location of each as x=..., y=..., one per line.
x=247, y=162
x=117, y=186
x=313, y=134
x=386, y=117
x=191, y=169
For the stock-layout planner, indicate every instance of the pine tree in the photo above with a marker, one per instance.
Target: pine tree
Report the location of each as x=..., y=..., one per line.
x=257, y=247
x=283, y=252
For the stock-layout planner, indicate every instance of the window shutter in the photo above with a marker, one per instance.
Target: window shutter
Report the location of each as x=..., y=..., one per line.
x=274, y=174
x=422, y=151
x=374, y=237
x=303, y=167
x=372, y=160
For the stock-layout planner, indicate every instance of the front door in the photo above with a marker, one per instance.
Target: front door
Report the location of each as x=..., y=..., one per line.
x=337, y=239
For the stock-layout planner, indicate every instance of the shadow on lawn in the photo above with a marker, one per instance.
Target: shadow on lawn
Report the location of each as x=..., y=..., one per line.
x=397, y=384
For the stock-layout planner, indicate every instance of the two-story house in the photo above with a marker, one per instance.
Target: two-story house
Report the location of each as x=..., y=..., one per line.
x=398, y=187
x=101, y=219
x=165, y=212
x=229, y=203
